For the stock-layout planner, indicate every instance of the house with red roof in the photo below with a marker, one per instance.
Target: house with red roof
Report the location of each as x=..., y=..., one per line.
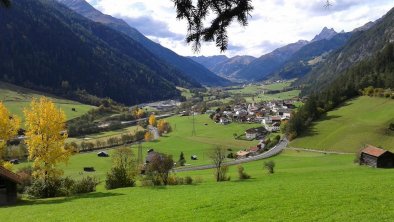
x=376, y=157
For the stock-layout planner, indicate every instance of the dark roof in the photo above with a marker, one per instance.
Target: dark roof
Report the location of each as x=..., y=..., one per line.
x=256, y=130
x=9, y=175
x=373, y=151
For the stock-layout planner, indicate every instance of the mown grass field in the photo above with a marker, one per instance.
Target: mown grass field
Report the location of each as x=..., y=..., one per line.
x=17, y=98
x=361, y=121
x=305, y=187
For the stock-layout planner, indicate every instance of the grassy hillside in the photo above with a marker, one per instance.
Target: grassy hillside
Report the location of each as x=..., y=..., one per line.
x=17, y=98
x=364, y=120
x=305, y=187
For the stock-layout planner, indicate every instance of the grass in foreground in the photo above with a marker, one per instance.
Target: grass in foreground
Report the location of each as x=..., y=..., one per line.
x=361, y=121
x=305, y=187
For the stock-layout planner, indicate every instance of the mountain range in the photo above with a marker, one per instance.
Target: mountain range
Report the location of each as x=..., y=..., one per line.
x=366, y=42
x=290, y=61
x=45, y=45
x=223, y=66
x=185, y=65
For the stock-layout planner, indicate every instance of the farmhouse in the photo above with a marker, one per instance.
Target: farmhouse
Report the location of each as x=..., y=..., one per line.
x=376, y=157
x=254, y=133
x=243, y=154
x=8, y=182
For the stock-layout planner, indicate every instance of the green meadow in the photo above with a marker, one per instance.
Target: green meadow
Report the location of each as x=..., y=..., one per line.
x=16, y=99
x=305, y=187
x=208, y=135
x=364, y=120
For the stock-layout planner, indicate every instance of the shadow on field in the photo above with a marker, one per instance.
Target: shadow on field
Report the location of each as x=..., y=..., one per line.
x=65, y=199
x=311, y=131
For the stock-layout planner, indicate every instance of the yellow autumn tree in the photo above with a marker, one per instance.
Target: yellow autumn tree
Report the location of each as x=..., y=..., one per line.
x=152, y=120
x=46, y=135
x=9, y=126
x=140, y=113
x=163, y=126
x=148, y=136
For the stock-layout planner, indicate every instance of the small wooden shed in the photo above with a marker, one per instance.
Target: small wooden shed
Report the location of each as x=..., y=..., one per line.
x=376, y=157
x=8, y=183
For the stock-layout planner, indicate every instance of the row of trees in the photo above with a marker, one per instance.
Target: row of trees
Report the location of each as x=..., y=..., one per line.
x=110, y=142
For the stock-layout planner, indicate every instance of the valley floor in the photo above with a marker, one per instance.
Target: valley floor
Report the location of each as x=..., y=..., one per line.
x=305, y=187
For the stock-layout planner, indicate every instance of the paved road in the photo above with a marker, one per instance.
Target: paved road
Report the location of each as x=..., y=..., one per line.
x=270, y=153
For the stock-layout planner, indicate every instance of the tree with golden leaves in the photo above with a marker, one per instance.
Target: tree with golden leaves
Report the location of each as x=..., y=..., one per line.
x=148, y=136
x=140, y=113
x=46, y=135
x=163, y=126
x=9, y=126
x=152, y=120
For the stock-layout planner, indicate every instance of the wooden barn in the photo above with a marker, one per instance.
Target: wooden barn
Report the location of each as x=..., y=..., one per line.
x=8, y=183
x=376, y=157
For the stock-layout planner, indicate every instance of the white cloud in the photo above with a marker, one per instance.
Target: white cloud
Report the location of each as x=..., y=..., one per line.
x=274, y=23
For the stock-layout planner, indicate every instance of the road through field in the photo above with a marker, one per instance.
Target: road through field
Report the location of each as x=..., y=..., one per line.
x=270, y=153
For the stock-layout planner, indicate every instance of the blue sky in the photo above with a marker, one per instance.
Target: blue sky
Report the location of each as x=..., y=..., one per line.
x=274, y=23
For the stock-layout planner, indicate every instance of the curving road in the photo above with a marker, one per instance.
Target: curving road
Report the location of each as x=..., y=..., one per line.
x=270, y=153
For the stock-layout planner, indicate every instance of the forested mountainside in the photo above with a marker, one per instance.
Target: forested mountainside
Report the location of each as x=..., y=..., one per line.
x=361, y=46
x=185, y=65
x=310, y=56
x=266, y=64
x=46, y=46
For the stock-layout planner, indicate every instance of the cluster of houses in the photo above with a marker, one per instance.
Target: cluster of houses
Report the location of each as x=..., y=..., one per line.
x=269, y=114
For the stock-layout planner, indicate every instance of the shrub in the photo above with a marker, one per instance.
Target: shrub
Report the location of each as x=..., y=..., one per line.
x=182, y=160
x=159, y=167
x=50, y=188
x=241, y=173
x=25, y=175
x=222, y=174
x=391, y=127
x=188, y=180
x=85, y=185
x=270, y=166
x=117, y=178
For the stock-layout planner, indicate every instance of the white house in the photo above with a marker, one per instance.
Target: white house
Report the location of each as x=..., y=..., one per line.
x=251, y=134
